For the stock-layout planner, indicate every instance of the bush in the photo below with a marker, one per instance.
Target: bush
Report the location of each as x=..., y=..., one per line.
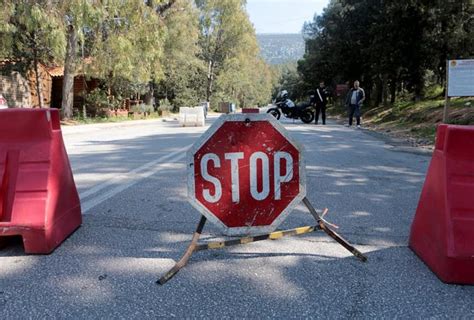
x=165, y=105
x=98, y=104
x=142, y=108
x=97, y=98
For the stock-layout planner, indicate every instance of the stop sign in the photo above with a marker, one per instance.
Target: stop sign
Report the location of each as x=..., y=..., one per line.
x=245, y=174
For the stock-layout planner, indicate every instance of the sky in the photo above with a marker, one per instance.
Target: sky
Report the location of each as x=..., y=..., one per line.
x=283, y=16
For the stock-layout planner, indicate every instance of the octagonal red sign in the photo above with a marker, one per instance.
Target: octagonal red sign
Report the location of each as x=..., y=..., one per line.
x=246, y=174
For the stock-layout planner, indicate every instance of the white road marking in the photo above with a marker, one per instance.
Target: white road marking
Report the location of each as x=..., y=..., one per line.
x=126, y=180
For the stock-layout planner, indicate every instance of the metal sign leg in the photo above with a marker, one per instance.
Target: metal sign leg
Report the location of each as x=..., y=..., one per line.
x=332, y=233
x=184, y=259
x=194, y=246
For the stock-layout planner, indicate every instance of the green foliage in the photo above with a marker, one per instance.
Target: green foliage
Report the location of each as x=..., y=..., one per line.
x=128, y=43
x=97, y=98
x=122, y=88
x=183, y=51
x=98, y=103
x=31, y=30
x=165, y=105
x=291, y=80
x=142, y=108
x=183, y=83
x=230, y=50
x=389, y=45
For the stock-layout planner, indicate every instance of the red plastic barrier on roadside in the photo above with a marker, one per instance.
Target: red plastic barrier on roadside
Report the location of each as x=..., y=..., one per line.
x=442, y=233
x=250, y=110
x=38, y=196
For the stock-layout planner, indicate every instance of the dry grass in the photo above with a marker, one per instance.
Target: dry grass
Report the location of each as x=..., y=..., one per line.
x=416, y=121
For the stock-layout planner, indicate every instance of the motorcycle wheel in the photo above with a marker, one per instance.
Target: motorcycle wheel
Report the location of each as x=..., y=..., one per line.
x=275, y=112
x=307, y=116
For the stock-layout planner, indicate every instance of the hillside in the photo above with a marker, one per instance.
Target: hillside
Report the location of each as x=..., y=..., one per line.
x=417, y=121
x=414, y=121
x=281, y=48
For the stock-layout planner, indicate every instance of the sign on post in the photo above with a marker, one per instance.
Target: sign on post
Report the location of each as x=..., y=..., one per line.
x=461, y=78
x=246, y=174
x=459, y=81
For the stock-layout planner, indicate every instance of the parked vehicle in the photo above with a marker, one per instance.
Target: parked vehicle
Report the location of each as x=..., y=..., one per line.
x=283, y=104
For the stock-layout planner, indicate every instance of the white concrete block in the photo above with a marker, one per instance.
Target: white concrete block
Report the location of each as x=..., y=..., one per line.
x=191, y=117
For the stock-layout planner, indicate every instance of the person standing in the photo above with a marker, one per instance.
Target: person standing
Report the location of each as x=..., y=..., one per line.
x=321, y=98
x=354, y=100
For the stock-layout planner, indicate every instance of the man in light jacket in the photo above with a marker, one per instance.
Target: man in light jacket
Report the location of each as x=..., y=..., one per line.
x=354, y=100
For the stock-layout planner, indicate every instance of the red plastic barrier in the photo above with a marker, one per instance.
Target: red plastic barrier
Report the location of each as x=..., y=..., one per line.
x=442, y=233
x=38, y=196
x=250, y=110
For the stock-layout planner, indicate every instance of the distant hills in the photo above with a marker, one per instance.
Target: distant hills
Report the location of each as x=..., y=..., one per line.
x=281, y=48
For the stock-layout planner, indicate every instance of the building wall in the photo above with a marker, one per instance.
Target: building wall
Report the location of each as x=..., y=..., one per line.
x=20, y=91
x=16, y=90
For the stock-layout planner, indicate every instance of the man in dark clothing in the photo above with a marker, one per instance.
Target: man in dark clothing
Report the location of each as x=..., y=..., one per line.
x=354, y=99
x=321, y=98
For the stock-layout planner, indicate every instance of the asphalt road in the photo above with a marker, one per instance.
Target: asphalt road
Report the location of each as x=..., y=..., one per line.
x=137, y=223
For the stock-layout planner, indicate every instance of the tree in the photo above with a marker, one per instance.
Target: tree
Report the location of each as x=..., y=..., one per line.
x=230, y=51
x=183, y=82
x=291, y=80
x=81, y=17
x=223, y=26
x=386, y=43
x=246, y=80
x=188, y=50
x=127, y=43
x=33, y=35
x=124, y=37
x=452, y=33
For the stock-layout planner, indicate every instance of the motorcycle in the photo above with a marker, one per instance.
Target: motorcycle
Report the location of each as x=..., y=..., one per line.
x=283, y=104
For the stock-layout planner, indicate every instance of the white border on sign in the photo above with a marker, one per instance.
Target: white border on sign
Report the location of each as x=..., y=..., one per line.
x=238, y=231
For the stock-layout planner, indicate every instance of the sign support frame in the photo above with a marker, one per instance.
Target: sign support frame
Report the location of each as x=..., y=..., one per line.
x=447, y=98
x=195, y=246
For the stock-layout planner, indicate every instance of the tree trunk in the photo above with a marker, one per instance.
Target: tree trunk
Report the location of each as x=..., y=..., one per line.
x=39, y=87
x=210, y=80
x=69, y=68
x=384, y=90
x=150, y=93
x=242, y=101
x=378, y=91
x=418, y=85
x=393, y=91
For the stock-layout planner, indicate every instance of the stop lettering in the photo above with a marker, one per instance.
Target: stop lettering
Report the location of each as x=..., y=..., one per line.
x=258, y=161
